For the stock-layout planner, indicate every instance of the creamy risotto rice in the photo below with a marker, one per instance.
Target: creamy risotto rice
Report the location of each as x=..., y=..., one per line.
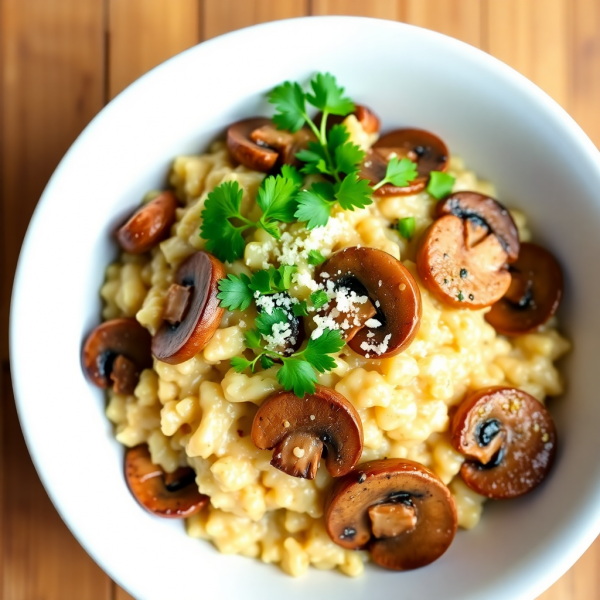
x=199, y=413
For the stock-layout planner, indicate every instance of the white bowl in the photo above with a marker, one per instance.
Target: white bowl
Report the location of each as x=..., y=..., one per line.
x=507, y=130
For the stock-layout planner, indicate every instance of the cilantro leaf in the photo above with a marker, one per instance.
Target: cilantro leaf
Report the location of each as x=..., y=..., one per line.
x=354, y=192
x=239, y=363
x=440, y=184
x=274, y=280
x=406, y=227
x=328, y=96
x=252, y=338
x=261, y=282
x=289, y=101
x=318, y=350
x=401, y=172
x=337, y=136
x=276, y=199
x=265, y=321
x=315, y=159
x=315, y=258
x=290, y=172
x=313, y=208
x=300, y=309
x=234, y=292
x=348, y=157
x=319, y=298
x=297, y=375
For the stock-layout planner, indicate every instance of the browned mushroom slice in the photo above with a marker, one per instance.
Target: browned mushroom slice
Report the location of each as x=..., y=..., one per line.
x=533, y=296
x=484, y=214
x=426, y=149
x=389, y=287
x=509, y=440
x=115, y=353
x=364, y=115
x=458, y=273
x=300, y=430
x=193, y=315
x=258, y=144
x=174, y=496
x=149, y=225
x=398, y=509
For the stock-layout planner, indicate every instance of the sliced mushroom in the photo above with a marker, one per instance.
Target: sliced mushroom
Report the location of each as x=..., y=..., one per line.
x=173, y=496
x=193, y=317
x=398, y=509
x=461, y=265
x=115, y=353
x=484, y=214
x=533, y=296
x=258, y=144
x=426, y=149
x=300, y=430
x=149, y=225
x=389, y=287
x=509, y=440
x=364, y=115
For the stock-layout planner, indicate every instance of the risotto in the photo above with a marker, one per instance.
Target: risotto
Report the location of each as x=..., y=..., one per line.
x=199, y=412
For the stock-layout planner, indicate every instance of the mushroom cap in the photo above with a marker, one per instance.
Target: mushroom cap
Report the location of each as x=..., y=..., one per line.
x=483, y=211
x=110, y=340
x=173, y=497
x=390, y=482
x=247, y=152
x=460, y=274
x=323, y=422
x=390, y=287
x=177, y=343
x=534, y=293
x=426, y=149
x=523, y=436
x=148, y=225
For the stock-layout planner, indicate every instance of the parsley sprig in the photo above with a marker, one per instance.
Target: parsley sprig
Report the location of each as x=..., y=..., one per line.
x=223, y=224
x=333, y=155
x=298, y=372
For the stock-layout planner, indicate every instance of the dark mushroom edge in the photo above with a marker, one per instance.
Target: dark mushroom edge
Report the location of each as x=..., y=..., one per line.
x=391, y=290
x=149, y=225
x=115, y=353
x=194, y=314
x=168, y=495
x=398, y=509
x=427, y=150
x=302, y=430
x=533, y=296
x=509, y=440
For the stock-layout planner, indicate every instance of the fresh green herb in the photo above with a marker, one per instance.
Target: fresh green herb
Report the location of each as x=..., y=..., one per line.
x=440, y=184
x=406, y=227
x=315, y=258
x=277, y=197
x=265, y=321
x=237, y=293
x=399, y=173
x=300, y=309
x=290, y=172
x=319, y=298
x=299, y=371
x=331, y=155
x=460, y=296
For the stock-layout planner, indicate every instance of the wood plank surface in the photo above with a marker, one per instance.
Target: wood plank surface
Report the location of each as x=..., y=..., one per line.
x=62, y=59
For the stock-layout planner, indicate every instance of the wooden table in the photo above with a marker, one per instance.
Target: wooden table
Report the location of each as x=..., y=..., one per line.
x=63, y=60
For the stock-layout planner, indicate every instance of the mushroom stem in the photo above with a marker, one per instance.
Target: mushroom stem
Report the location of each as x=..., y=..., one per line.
x=390, y=520
x=177, y=303
x=124, y=375
x=298, y=455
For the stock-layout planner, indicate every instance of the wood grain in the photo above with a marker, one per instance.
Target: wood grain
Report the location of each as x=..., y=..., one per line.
x=532, y=37
x=144, y=33
x=52, y=85
x=42, y=560
x=381, y=9
x=221, y=16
